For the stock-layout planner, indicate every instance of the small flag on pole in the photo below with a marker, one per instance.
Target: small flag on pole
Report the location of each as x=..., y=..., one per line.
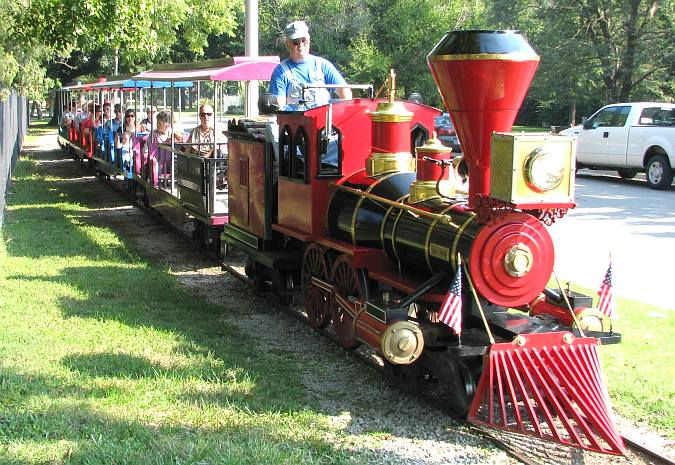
x=451, y=309
x=607, y=304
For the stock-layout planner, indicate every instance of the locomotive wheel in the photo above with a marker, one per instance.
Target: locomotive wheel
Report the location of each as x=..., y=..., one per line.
x=317, y=300
x=347, y=281
x=283, y=286
x=460, y=389
x=251, y=270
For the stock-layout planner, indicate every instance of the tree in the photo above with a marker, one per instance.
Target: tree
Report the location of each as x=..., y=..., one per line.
x=365, y=38
x=21, y=63
x=86, y=36
x=593, y=52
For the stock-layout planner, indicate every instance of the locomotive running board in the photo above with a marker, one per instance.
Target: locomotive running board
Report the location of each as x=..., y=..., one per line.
x=548, y=385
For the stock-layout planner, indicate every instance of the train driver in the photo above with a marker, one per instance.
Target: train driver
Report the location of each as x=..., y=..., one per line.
x=300, y=68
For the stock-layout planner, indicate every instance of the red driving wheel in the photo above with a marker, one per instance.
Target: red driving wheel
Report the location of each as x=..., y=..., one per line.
x=317, y=300
x=347, y=282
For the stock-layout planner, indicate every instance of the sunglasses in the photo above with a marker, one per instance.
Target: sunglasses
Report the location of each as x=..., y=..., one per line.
x=205, y=114
x=300, y=41
x=131, y=116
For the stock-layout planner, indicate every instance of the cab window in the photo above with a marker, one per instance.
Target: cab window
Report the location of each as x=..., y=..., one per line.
x=330, y=152
x=299, y=156
x=284, y=152
x=609, y=117
x=418, y=136
x=657, y=116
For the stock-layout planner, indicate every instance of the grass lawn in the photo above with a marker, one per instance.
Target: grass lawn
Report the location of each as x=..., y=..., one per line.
x=103, y=359
x=640, y=371
x=530, y=129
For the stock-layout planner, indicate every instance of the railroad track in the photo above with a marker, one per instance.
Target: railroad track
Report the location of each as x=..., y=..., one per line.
x=655, y=456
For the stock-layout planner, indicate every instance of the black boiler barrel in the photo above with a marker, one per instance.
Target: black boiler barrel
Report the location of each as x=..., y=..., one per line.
x=358, y=220
x=428, y=244
x=414, y=242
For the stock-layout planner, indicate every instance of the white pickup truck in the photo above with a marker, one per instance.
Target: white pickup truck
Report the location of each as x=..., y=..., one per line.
x=629, y=137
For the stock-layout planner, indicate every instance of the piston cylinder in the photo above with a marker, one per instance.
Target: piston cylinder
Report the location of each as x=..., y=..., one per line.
x=400, y=342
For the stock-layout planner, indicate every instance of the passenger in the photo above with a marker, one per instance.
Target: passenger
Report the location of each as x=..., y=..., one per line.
x=106, y=112
x=204, y=135
x=150, y=121
x=66, y=117
x=113, y=124
x=126, y=150
x=162, y=131
x=159, y=159
x=93, y=116
x=303, y=68
x=128, y=125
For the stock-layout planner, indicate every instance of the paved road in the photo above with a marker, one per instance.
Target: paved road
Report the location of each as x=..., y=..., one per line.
x=634, y=222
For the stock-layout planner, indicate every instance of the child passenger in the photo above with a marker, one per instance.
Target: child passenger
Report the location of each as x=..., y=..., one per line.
x=126, y=150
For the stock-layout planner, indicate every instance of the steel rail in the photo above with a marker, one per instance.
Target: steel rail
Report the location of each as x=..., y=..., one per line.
x=652, y=453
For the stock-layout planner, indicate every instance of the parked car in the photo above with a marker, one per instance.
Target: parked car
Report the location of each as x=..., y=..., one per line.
x=445, y=132
x=630, y=138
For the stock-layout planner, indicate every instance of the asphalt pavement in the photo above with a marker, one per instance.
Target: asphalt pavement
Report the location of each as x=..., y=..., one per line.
x=626, y=218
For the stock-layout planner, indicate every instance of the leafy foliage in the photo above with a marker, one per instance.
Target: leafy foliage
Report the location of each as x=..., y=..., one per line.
x=85, y=37
x=365, y=38
x=593, y=52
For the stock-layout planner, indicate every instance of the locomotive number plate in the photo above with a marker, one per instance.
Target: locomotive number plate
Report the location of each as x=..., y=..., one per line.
x=440, y=252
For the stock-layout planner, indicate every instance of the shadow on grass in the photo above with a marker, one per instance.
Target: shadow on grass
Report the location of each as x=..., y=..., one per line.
x=41, y=232
x=146, y=299
x=76, y=432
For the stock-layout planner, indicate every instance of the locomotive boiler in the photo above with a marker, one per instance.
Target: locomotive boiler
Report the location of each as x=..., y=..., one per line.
x=376, y=238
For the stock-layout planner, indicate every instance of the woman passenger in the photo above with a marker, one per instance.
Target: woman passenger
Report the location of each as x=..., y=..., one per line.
x=158, y=158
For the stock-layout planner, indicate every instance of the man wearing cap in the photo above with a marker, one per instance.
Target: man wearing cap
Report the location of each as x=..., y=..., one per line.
x=302, y=68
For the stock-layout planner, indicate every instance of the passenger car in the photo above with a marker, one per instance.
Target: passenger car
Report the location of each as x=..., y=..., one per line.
x=445, y=132
x=630, y=138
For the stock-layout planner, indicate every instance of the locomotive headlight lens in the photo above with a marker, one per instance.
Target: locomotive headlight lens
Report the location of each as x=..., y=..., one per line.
x=544, y=169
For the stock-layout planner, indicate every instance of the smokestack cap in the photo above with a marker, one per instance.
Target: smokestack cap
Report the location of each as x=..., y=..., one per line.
x=479, y=42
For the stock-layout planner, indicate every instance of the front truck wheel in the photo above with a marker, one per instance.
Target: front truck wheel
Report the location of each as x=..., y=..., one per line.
x=659, y=173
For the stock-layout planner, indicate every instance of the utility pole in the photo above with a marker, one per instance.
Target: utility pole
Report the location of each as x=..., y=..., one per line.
x=251, y=50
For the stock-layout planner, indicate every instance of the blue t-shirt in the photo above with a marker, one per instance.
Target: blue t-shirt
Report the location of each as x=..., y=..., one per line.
x=313, y=70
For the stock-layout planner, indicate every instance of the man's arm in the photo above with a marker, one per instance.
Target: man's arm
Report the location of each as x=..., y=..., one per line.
x=281, y=101
x=333, y=76
x=278, y=86
x=345, y=94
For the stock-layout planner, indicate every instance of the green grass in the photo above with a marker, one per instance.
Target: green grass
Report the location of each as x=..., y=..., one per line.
x=530, y=129
x=640, y=371
x=104, y=359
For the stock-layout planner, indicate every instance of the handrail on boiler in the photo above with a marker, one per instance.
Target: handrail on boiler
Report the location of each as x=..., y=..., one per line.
x=444, y=218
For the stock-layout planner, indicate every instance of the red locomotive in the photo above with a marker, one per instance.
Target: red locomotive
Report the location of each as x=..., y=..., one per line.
x=374, y=229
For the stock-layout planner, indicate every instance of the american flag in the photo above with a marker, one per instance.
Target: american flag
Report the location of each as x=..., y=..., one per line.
x=606, y=304
x=451, y=309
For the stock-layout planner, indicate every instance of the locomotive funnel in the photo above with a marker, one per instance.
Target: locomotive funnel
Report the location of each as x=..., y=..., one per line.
x=483, y=77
